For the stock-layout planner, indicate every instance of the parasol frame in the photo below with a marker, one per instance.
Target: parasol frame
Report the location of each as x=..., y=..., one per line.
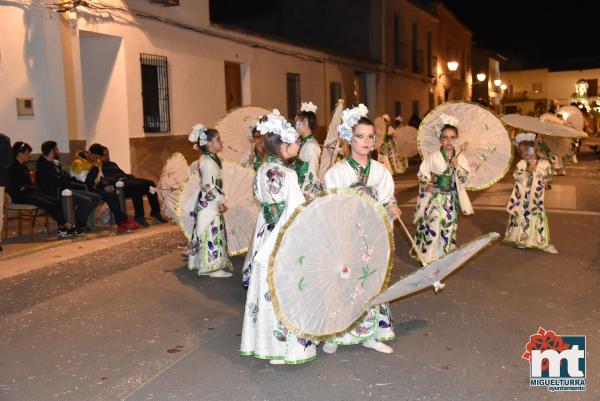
x=272, y=259
x=162, y=172
x=512, y=152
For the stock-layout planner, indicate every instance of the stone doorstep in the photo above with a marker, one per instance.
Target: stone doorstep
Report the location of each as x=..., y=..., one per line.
x=45, y=255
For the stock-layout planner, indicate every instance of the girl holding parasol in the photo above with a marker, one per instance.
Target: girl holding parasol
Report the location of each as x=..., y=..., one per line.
x=306, y=165
x=527, y=221
x=208, y=243
x=442, y=176
x=371, y=177
x=276, y=188
x=255, y=156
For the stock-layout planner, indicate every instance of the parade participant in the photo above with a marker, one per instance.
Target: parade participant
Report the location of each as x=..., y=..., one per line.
x=442, y=194
x=527, y=222
x=306, y=165
x=208, y=245
x=387, y=151
x=255, y=156
x=276, y=188
x=371, y=177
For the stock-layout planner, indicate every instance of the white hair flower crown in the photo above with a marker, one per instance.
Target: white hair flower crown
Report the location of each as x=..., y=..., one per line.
x=308, y=106
x=198, y=135
x=350, y=118
x=446, y=120
x=276, y=124
x=524, y=136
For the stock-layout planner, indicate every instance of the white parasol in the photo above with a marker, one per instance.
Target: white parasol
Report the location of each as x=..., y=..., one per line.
x=489, y=149
x=171, y=179
x=573, y=116
x=331, y=146
x=233, y=127
x=326, y=267
x=550, y=128
x=381, y=127
x=560, y=146
x=405, y=138
x=432, y=274
x=242, y=211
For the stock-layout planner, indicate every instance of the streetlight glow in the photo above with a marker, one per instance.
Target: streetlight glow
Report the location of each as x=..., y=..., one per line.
x=503, y=87
x=497, y=82
x=481, y=77
x=452, y=65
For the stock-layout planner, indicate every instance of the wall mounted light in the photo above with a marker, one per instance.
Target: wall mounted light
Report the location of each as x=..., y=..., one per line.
x=481, y=77
x=452, y=65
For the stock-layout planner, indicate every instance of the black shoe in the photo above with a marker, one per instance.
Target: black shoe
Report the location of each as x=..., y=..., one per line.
x=142, y=221
x=64, y=233
x=158, y=217
x=78, y=231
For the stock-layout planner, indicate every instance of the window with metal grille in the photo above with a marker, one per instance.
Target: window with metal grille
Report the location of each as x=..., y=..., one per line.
x=335, y=90
x=415, y=107
x=293, y=94
x=155, y=93
x=399, y=45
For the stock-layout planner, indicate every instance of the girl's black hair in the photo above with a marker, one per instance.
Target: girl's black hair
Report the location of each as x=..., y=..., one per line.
x=309, y=116
x=449, y=126
x=210, y=134
x=363, y=121
x=271, y=143
x=21, y=147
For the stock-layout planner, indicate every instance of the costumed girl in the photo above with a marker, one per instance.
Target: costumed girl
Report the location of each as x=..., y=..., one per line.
x=387, y=151
x=207, y=249
x=276, y=188
x=371, y=177
x=442, y=176
x=306, y=165
x=256, y=155
x=527, y=222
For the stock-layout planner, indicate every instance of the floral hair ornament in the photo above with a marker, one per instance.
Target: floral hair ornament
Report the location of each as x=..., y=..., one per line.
x=308, y=107
x=350, y=118
x=447, y=120
x=524, y=136
x=198, y=135
x=275, y=123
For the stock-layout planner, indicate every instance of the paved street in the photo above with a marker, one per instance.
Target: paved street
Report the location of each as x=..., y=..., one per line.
x=129, y=322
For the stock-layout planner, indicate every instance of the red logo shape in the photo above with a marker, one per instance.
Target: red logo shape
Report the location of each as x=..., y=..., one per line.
x=543, y=340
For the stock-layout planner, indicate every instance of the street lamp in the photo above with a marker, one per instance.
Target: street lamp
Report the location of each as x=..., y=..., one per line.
x=481, y=77
x=452, y=65
x=503, y=87
x=497, y=82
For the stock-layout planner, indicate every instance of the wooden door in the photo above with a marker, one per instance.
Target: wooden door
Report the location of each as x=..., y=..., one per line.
x=233, y=85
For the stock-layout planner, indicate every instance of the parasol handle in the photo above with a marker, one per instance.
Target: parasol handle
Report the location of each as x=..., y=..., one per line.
x=412, y=242
x=336, y=150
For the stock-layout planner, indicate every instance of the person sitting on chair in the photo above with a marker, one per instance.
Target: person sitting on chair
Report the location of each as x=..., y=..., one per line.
x=21, y=189
x=135, y=188
x=52, y=180
x=87, y=168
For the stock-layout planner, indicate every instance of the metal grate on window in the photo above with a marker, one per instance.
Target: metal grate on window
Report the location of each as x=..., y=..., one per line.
x=293, y=94
x=155, y=93
x=335, y=88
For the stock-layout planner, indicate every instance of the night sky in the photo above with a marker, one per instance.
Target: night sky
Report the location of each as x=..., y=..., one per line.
x=530, y=33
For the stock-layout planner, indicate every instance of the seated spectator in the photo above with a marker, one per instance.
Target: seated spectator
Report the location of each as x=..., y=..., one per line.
x=21, y=189
x=52, y=180
x=87, y=168
x=135, y=188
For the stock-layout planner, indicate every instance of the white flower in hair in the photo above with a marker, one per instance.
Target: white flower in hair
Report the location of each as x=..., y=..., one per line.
x=276, y=124
x=308, y=106
x=198, y=135
x=350, y=118
x=447, y=120
x=524, y=136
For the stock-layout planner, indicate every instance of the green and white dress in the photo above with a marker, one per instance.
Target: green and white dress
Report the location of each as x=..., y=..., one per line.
x=376, y=181
x=436, y=214
x=306, y=167
x=263, y=335
x=208, y=245
x=527, y=220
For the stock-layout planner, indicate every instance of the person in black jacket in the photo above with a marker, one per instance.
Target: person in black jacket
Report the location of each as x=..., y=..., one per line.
x=135, y=188
x=6, y=160
x=21, y=189
x=52, y=180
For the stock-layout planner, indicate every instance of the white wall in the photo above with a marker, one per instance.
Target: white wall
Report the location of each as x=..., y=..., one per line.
x=561, y=84
x=31, y=66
